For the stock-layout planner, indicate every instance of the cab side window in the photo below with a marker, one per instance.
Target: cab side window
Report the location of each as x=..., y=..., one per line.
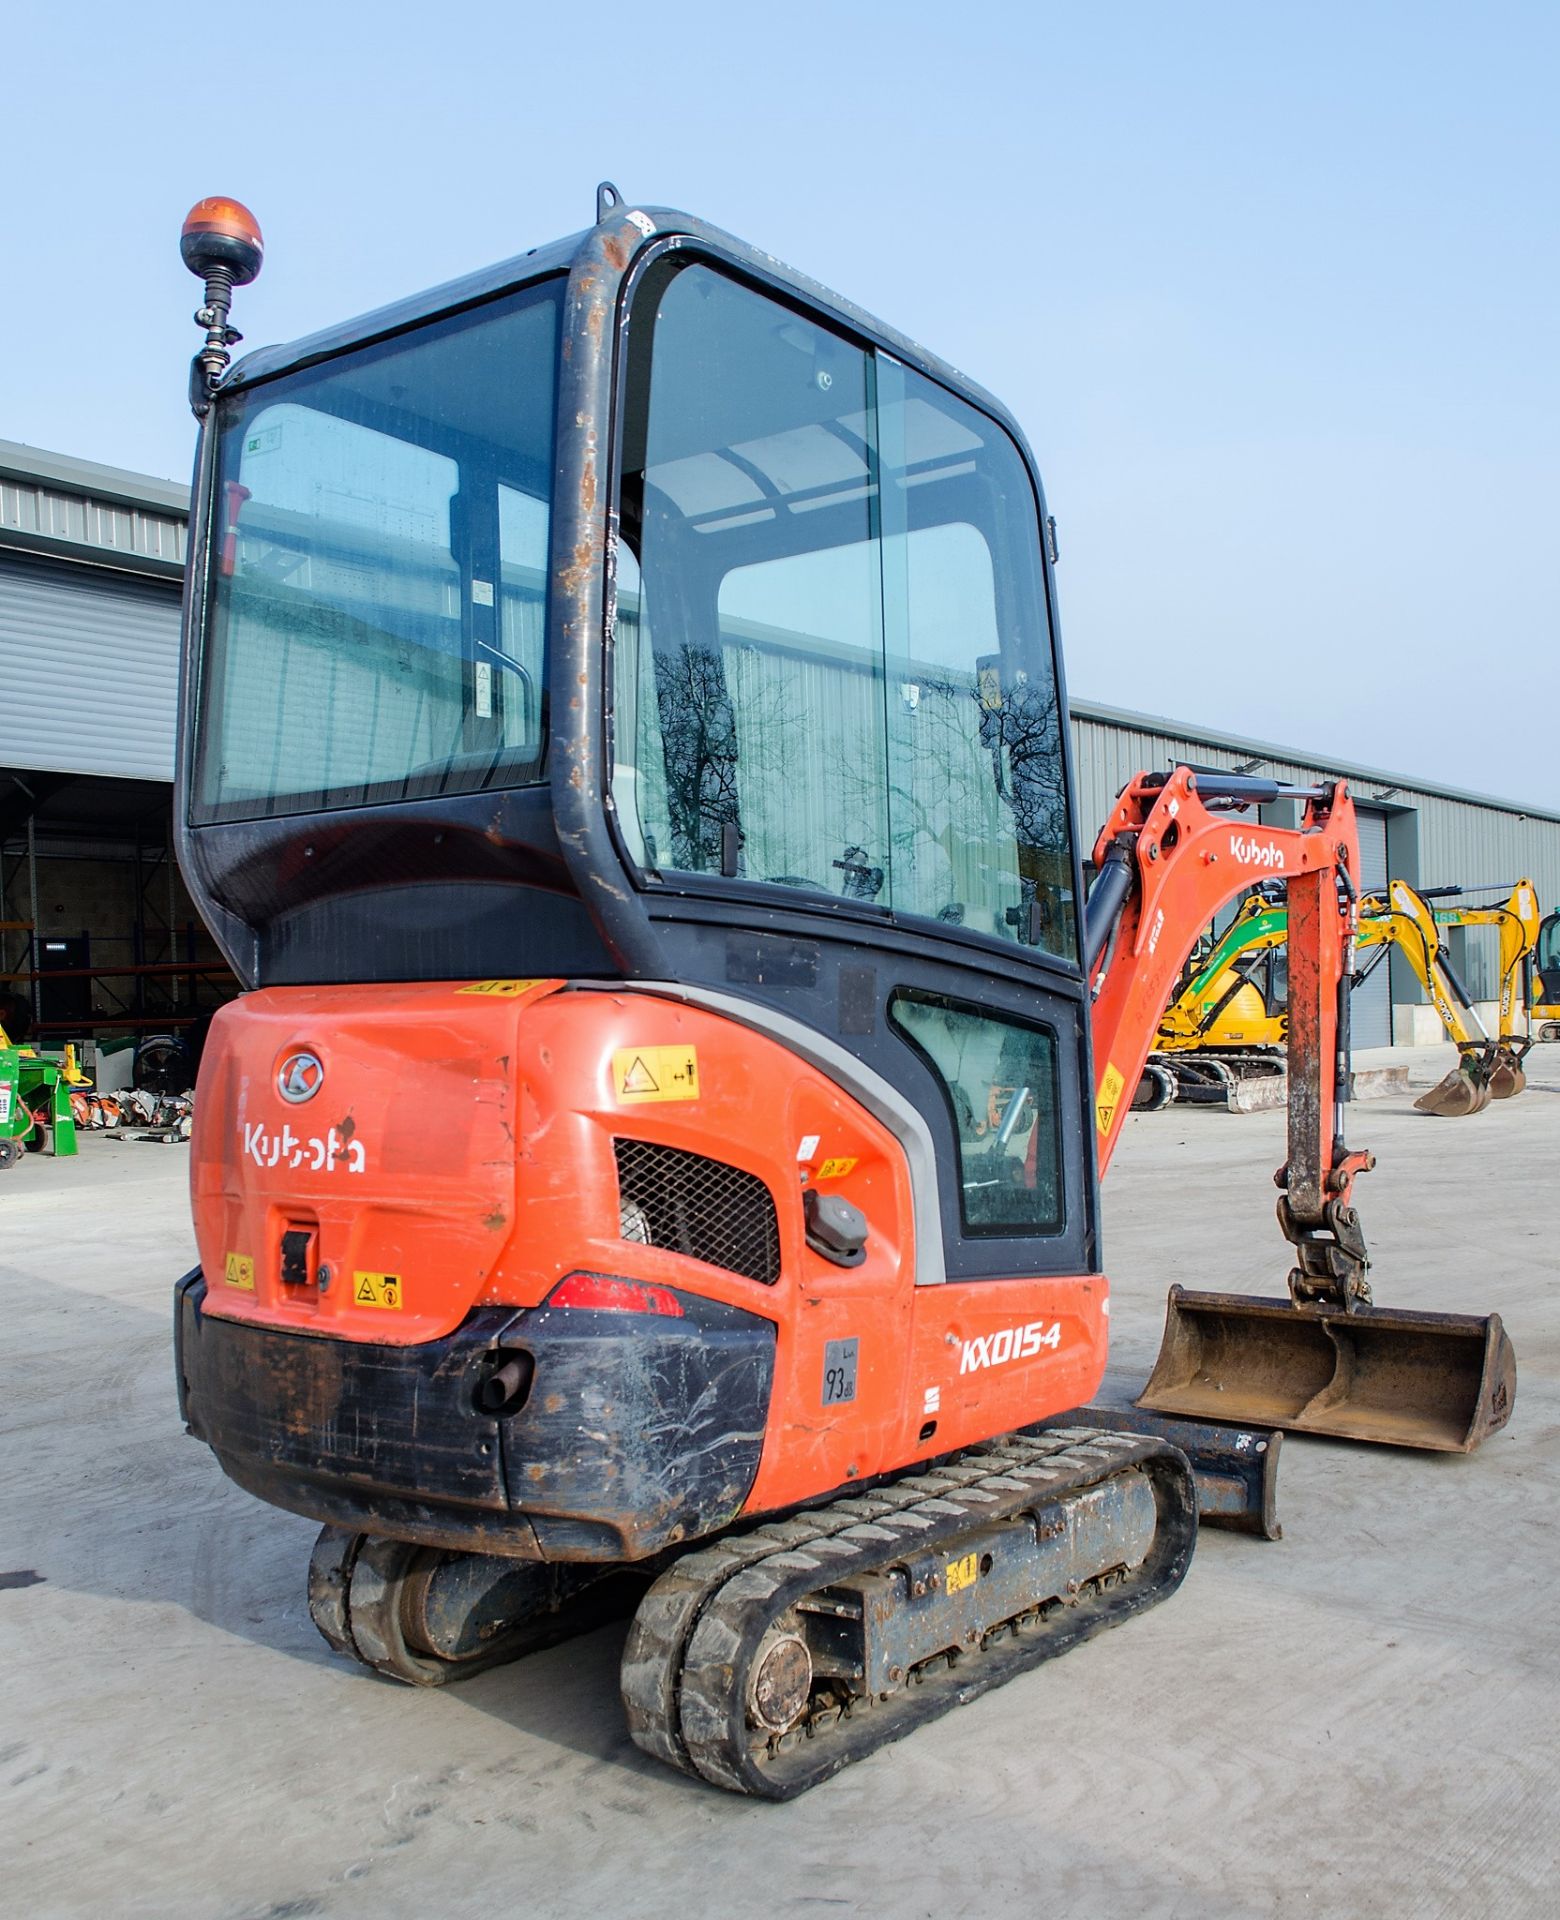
x=999, y=1078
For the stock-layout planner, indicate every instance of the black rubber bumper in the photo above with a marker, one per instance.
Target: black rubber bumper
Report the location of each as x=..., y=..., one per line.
x=631, y=1432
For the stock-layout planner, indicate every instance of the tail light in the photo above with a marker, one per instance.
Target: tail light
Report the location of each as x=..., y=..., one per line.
x=600, y=1293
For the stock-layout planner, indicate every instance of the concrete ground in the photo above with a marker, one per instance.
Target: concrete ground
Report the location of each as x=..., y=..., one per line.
x=1357, y=1720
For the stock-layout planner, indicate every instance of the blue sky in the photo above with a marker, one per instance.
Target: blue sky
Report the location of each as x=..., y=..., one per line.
x=1273, y=290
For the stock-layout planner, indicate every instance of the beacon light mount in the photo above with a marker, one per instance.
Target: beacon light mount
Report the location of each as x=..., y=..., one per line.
x=220, y=244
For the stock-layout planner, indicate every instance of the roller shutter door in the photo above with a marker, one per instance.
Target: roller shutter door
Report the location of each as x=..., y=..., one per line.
x=1370, y=1018
x=91, y=664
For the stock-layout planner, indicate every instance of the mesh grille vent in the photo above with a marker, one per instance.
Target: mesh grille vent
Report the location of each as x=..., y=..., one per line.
x=703, y=1208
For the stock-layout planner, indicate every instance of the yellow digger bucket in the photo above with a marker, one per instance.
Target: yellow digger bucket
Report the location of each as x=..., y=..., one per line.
x=1466, y=1089
x=1444, y=1381
x=1508, y=1078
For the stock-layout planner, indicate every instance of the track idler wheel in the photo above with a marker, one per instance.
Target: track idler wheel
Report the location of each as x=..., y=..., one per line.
x=426, y=1617
x=1155, y=1089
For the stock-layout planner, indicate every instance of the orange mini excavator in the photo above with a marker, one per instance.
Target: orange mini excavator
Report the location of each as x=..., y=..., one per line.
x=624, y=756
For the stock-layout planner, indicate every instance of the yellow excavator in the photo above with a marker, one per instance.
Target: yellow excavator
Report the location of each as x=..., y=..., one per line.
x=1544, y=986
x=1517, y=921
x=1224, y=1035
x=1488, y=1068
x=1221, y=1040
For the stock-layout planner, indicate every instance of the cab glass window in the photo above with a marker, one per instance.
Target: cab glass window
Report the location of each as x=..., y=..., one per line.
x=379, y=572
x=1000, y=1081
x=833, y=669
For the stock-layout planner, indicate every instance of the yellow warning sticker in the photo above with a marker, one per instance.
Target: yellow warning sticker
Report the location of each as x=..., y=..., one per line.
x=836, y=1169
x=500, y=989
x=240, y=1271
x=1108, y=1097
x=655, y=1073
x=377, y=1290
x=962, y=1573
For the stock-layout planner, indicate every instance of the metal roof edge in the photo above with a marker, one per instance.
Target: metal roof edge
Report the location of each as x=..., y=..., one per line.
x=88, y=553
x=73, y=475
x=1081, y=709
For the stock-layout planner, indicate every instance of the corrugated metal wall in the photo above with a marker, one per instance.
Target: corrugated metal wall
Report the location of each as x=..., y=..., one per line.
x=91, y=665
x=32, y=506
x=1462, y=840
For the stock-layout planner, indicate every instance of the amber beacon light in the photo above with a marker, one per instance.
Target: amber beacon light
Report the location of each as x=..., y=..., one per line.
x=220, y=244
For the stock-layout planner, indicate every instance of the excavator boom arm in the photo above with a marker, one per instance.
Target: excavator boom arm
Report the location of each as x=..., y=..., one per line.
x=1173, y=852
x=1518, y=923
x=1404, y=919
x=1176, y=849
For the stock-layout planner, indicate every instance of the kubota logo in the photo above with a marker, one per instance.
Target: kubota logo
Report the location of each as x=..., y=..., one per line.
x=1012, y=1343
x=1251, y=852
x=300, y=1077
x=325, y=1152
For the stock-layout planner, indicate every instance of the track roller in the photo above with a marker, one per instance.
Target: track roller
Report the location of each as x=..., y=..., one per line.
x=769, y=1661
x=426, y=1617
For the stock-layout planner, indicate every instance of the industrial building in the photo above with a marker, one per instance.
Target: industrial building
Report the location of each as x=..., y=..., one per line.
x=1413, y=830
x=97, y=933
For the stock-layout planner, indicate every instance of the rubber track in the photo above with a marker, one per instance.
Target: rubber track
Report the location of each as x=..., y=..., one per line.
x=658, y=1638
x=696, y=1631
x=355, y=1587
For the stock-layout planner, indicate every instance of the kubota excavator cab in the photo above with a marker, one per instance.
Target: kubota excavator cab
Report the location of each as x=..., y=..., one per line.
x=624, y=757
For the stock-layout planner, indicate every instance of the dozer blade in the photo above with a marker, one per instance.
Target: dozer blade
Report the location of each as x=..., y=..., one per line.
x=1444, y=1381
x=1236, y=1471
x=1461, y=1092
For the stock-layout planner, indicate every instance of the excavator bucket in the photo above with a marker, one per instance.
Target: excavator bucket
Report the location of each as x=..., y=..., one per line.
x=1466, y=1089
x=1508, y=1078
x=1443, y=1381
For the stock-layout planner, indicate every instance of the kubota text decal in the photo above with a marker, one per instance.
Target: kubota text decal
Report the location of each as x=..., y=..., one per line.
x=316, y=1151
x=1252, y=852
